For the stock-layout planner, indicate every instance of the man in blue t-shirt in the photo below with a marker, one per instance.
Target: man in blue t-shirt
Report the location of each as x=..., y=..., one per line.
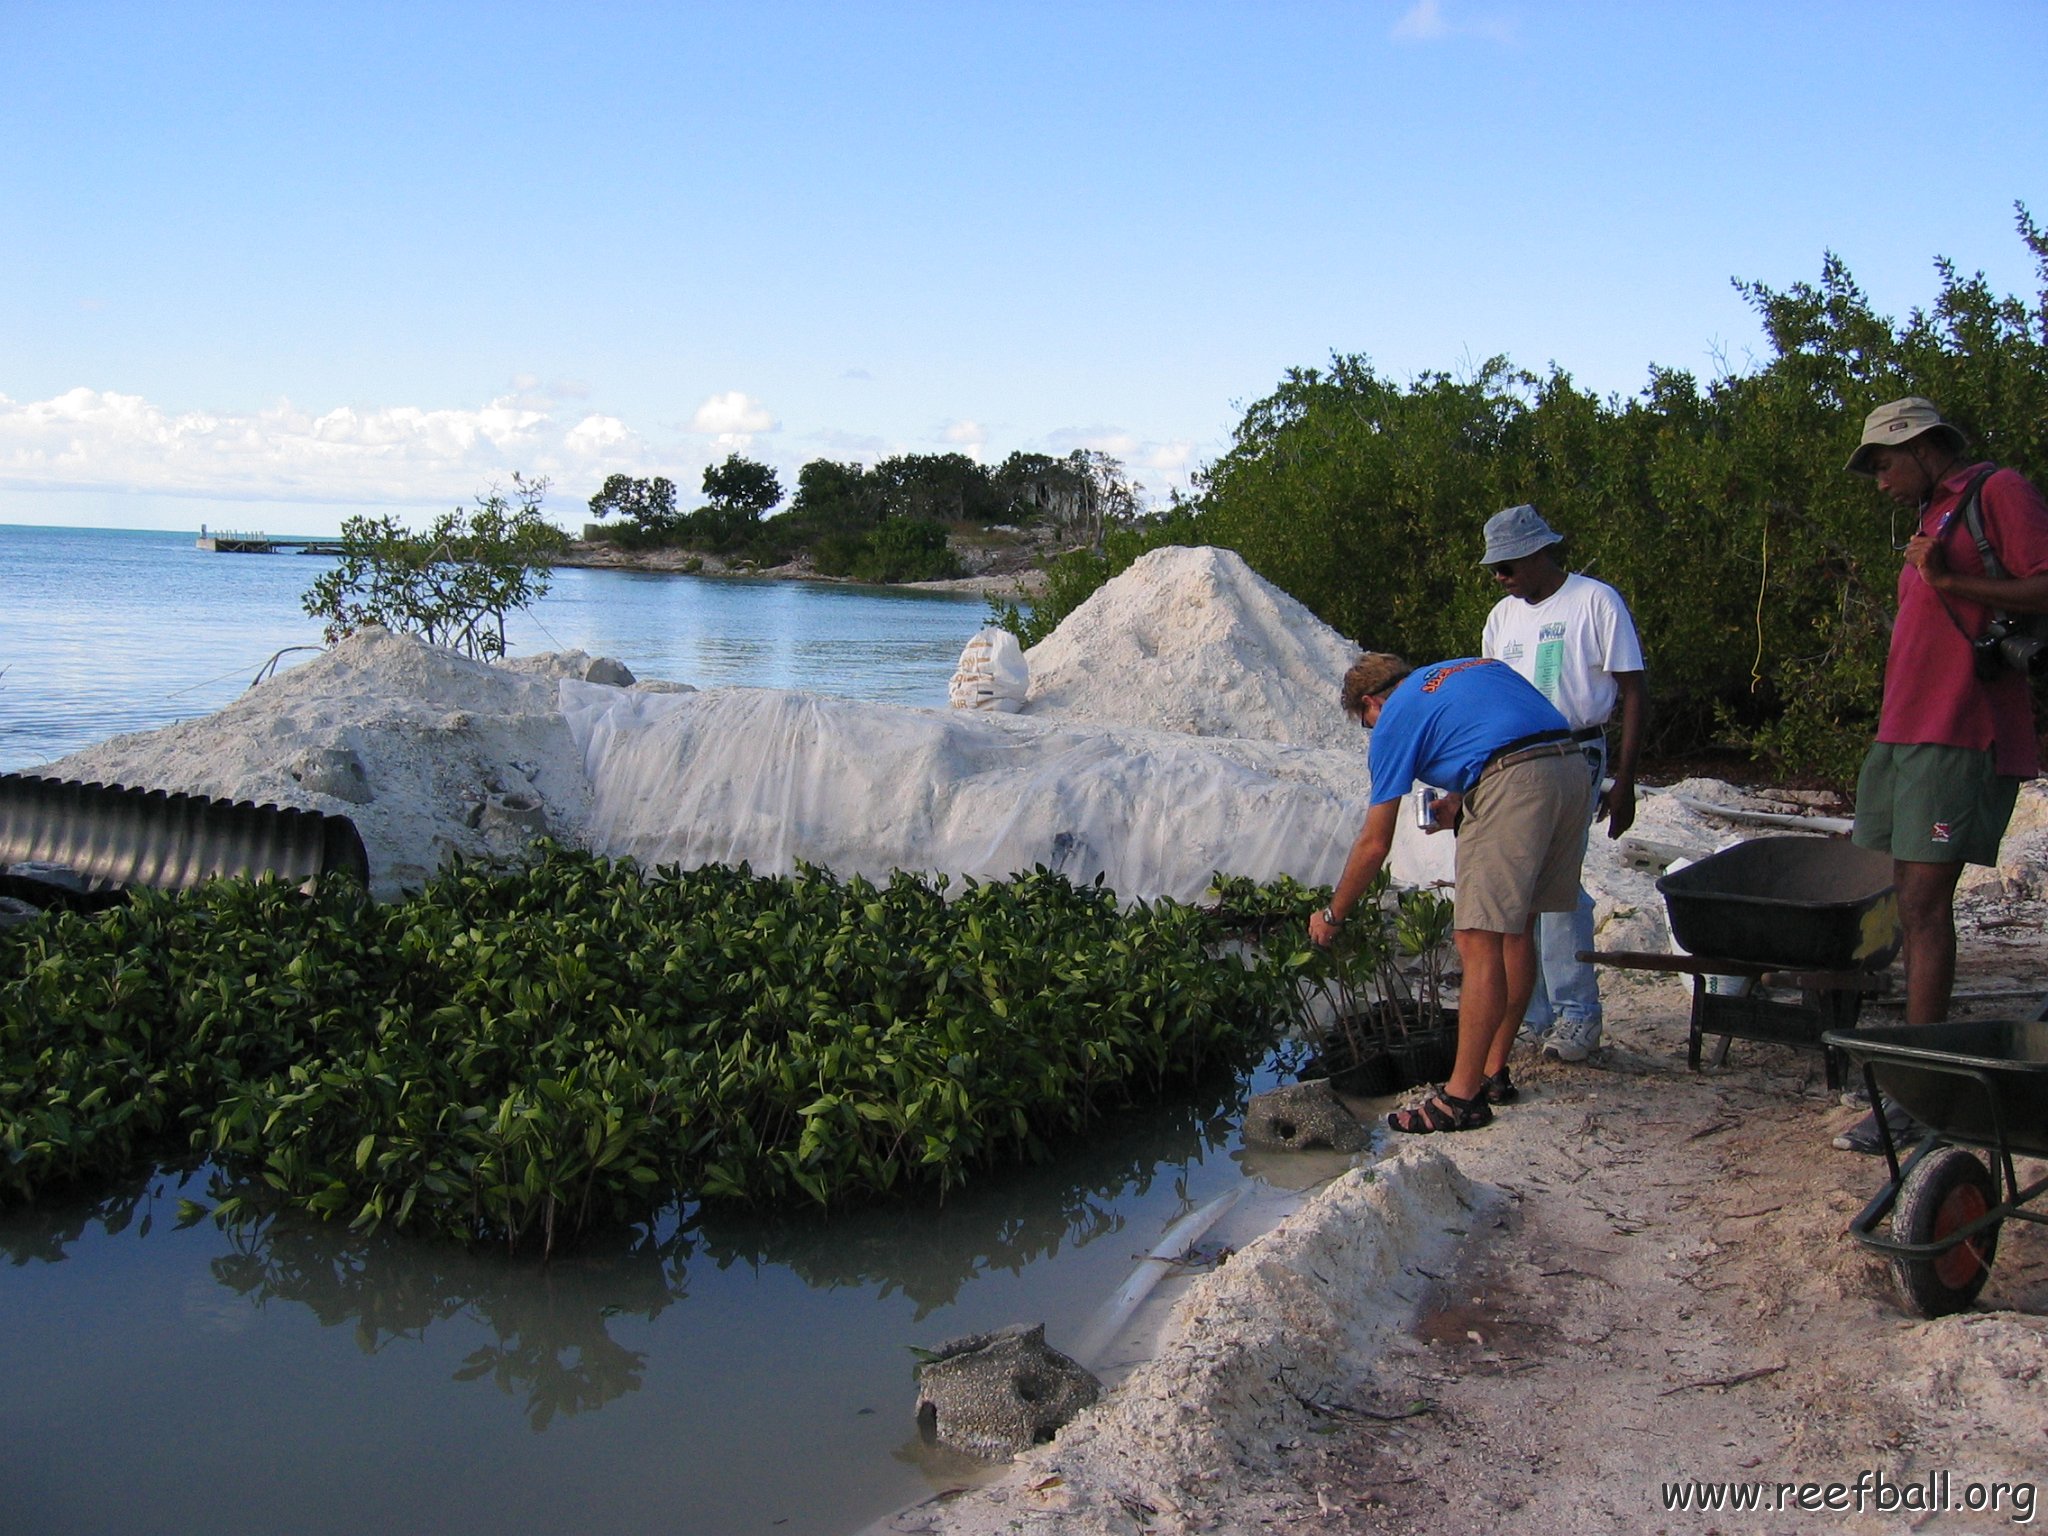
x=1476, y=728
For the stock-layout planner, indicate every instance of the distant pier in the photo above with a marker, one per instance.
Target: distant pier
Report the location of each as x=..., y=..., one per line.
x=227, y=543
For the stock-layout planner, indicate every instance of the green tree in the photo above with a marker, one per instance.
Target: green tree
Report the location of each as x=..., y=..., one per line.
x=742, y=485
x=451, y=584
x=740, y=491
x=647, y=506
x=937, y=488
x=904, y=549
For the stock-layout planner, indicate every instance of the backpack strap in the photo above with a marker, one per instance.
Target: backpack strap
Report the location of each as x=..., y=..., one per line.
x=1973, y=519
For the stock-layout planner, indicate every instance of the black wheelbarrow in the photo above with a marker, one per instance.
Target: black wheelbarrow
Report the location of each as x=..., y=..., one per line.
x=1980, y=1084
x=1815, y=915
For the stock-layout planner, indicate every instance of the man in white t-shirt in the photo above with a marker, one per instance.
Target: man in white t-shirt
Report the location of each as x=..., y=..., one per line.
x=1573, y=638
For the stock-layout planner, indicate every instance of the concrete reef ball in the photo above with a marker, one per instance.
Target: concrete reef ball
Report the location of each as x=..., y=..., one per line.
x=1303, y=1117
x=995, y=1394
x=334, y=771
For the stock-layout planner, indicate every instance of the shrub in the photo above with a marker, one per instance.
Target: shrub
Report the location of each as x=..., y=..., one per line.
x=516, y=1055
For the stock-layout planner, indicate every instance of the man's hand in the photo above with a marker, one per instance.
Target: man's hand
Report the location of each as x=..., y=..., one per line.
x=1322, y=934
x=1925, y=556
x=1444, y=812
x=1618, y=805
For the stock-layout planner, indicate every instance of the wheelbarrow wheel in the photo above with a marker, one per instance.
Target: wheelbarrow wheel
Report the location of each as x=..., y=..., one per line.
x=1949, y=1190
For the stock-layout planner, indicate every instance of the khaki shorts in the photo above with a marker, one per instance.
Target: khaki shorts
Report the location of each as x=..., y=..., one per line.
x=1933, y=804
x=1521, y=844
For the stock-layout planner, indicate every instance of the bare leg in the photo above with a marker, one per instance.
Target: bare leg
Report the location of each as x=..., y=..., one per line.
x=1482, y=1003
x=1927, y=919
x=1521, y=964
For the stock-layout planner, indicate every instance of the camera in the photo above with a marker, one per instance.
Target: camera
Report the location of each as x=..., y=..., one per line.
x=2007, y=644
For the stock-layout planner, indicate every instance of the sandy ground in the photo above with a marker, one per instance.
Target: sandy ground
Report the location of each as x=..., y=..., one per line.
x=1654, y=1286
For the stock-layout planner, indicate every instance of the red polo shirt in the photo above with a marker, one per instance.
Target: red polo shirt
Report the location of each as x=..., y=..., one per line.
x=1931, y=692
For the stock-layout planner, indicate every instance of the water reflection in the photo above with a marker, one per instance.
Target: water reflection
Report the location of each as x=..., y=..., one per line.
x=550, y=1329
x=43, y=1234
x=1006, y=1221
x=550, y=1332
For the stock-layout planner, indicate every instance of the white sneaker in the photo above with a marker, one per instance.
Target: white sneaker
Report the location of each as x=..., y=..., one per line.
x=1571, y=1039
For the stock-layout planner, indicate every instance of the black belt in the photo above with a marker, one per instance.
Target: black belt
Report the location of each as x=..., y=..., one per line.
x=1523, y=749
x=1589, y=733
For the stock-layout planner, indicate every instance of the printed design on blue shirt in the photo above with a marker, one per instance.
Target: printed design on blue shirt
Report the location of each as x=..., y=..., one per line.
x=1441, y=675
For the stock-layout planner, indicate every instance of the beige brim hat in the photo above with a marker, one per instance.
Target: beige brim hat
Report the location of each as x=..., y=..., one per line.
x=1898, y=423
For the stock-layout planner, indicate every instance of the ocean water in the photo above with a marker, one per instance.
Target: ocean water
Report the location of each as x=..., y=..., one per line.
x=105, y=631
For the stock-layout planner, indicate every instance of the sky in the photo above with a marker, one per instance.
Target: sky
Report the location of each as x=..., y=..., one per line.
x=266, y=266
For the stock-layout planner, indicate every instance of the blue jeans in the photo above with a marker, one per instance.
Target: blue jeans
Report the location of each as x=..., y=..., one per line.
x=1566, y=987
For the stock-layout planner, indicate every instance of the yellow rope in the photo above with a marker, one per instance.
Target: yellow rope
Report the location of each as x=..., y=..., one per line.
x=1756, y=675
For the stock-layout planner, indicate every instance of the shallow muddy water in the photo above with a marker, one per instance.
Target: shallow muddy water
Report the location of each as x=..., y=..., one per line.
x=712, y=1375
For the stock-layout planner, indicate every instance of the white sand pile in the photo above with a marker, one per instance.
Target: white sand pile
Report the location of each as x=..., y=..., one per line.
x=427, y=752
x=1194, y=640
x=1294, y=1319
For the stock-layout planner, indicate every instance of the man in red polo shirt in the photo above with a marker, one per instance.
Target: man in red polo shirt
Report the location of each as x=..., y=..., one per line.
x=1955, y=734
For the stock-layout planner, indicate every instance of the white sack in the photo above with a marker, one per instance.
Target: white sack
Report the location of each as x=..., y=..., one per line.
x=992, y=673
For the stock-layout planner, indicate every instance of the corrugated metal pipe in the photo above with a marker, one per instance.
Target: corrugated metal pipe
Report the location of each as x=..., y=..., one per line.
x=85, y=845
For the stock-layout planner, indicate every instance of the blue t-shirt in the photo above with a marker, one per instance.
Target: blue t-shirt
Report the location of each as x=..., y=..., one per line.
x=1444, y=721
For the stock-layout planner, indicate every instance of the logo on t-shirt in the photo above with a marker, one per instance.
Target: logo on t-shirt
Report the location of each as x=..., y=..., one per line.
x=1940, y=832
x=1438, y=676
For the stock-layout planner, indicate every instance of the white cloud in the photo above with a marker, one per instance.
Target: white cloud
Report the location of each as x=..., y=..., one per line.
x=848, y=446
x=1175, y=461
x=102, y=440
x=968, y=436
x=1425, y=22
x=1422, y=23
x=733, y=415
x=596, y=434
x=1110, y=440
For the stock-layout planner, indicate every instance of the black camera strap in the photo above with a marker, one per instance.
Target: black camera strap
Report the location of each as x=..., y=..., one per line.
x=1973, y=519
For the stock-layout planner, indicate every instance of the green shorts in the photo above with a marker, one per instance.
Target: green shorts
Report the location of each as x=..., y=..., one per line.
x=1933, y=804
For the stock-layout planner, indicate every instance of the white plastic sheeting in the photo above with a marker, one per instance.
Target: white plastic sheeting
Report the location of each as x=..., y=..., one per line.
x=773, y=778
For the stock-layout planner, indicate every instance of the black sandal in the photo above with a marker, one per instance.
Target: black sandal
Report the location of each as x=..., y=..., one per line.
x=1500, y=1088
x=1442, y=1111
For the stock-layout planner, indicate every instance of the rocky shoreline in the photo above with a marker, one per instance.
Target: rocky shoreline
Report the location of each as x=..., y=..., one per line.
x=1002, y=577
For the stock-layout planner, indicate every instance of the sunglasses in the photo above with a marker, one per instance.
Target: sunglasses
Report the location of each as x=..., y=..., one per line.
x=1505, y=567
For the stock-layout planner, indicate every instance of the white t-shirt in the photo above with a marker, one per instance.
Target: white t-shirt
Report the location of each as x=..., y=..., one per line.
x=1570, y=645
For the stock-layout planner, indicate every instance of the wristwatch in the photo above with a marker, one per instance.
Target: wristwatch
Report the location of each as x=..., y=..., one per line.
x=1332, y=918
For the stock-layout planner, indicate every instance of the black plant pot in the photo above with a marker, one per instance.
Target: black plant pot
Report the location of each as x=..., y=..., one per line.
x=1369, y=1077
x=1426, y=1056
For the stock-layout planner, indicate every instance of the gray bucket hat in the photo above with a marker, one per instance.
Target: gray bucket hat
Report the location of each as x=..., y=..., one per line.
x=1517, y=532
x=1899, y=422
